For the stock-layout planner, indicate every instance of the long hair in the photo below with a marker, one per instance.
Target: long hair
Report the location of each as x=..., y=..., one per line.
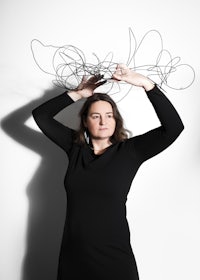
x=120, y=133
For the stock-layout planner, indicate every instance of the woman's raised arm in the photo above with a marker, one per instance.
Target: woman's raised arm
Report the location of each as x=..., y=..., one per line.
x=54, y=130
x=156, y=140
x=44, y=114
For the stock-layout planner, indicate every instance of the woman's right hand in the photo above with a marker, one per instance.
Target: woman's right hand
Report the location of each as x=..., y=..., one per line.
x=86, y=87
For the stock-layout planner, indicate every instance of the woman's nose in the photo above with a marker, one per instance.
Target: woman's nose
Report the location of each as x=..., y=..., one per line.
x=102, y=121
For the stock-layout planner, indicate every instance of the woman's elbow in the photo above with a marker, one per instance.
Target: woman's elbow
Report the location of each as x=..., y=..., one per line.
x=37, y=115
x=34, y=113
x=178, y=130
x=181, y=127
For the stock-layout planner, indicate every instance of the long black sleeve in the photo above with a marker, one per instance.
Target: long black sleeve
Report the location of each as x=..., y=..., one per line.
x=96, y=236
x=156, y=140
x=146, y=145
x=44, y=117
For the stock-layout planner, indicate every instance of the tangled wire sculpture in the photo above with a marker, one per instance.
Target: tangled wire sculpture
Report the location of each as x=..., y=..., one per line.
x=69, y=64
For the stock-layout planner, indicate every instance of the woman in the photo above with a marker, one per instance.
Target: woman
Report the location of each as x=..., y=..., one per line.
x=102, y=164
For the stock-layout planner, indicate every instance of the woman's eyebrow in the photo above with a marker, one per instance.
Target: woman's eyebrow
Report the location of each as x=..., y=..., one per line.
x=96, y=113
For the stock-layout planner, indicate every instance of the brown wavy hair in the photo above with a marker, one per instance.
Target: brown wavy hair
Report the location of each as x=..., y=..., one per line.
x=120, y=133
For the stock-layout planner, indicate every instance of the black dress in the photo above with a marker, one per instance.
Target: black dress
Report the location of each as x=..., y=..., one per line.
x=96, y=239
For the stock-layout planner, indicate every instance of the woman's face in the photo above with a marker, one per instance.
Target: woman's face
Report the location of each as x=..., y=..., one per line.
x=100, y=120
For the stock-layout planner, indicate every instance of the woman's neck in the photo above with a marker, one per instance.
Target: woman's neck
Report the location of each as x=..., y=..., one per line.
x=99, y=146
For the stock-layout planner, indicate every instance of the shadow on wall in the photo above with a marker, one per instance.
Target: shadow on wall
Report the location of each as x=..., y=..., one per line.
x=45, y=191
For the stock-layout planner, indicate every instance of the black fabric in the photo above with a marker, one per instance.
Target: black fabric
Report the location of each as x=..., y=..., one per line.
x=96, y=239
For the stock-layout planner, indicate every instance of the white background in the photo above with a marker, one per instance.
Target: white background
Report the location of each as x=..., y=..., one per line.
x=163, y=204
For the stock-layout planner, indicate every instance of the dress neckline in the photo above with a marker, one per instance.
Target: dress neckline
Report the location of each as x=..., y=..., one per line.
x=98, y=155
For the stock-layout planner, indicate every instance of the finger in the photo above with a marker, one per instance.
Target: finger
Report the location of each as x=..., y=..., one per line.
x=118, y=73
x=117, y=67
x=116, y=76
x=92, y=80
x=95, y=79
x=84, y=79
x=99, y=77
x=123, y=66
x=113, y=80
x=120, y=66
x=100, y=83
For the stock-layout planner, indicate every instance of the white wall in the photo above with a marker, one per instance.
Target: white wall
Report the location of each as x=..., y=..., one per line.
x=163, y=204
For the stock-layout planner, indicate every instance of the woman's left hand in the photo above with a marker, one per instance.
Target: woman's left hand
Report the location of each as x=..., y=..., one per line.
x=123, y=73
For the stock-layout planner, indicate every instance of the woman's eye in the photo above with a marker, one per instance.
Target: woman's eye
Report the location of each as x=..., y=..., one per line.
x=95, y=116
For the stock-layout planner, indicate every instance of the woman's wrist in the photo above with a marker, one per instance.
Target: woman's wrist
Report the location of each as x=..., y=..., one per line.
x=74, y=94
x=148, y=84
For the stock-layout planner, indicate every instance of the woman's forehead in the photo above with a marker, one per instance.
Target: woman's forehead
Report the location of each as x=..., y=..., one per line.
x=101, y=106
